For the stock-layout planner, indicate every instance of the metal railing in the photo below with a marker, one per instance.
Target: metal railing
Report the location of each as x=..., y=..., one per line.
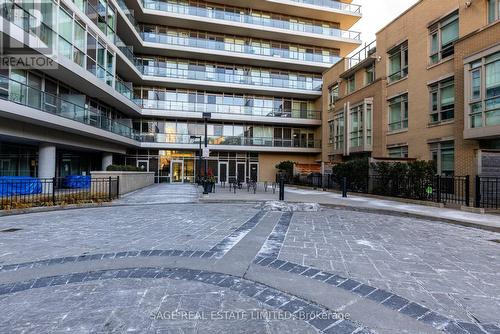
x=438, y=189
x=367, y=51
x=231, y=140
x=206, y=43
x=347, y=7
x=25, y=192
x=17, y=92
x=173, y=106
x=245, y=79
x=487, y=190
x=232, y=14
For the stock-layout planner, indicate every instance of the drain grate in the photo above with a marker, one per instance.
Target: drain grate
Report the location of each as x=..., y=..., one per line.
x=11, y=230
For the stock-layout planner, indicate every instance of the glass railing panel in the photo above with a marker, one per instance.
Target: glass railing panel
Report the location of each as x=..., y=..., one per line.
x=23, y=94
x=232, y=14
x=173, y=138
x=312, y=84
x=356, y=9
x=173, y=106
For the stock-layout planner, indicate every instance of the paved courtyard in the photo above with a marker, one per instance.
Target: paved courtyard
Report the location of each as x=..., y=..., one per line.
x=174, y=264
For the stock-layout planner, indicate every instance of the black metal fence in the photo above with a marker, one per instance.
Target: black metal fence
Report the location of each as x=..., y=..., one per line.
x=439, y=189
x=34, y=192
x=488, y=192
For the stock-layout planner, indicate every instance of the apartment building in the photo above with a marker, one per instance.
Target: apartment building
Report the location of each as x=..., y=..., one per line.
x=135, y=81
x=427, y=88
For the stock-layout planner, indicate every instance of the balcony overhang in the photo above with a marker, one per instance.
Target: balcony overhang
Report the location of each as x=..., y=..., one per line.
x=345, y=18
x=231, y=148
x=487, y=132
x=229, y=87
x=231, y=117
x=153, y=16
x=25, y=114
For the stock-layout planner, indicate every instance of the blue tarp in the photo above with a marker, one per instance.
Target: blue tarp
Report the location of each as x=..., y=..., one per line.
x=77, y=181
x=19, y=185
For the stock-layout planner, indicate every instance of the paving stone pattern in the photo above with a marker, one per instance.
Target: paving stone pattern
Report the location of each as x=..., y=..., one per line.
x=453, y=271
x=118, y=229
x=129, y=300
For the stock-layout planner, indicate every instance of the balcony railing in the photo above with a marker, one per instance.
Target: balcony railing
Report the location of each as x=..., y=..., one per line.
x=355, y=9
x=173, y=106
x=237, y=15
x=25, y=95
x=243, y=79
x=238, y=48
x=173, y=138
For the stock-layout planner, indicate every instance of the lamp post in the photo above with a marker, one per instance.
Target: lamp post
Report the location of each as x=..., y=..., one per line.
x=200, y=157
x=206, y=117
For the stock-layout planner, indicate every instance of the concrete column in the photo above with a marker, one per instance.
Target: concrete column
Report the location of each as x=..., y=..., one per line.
x=46, y=161
x=107, y=159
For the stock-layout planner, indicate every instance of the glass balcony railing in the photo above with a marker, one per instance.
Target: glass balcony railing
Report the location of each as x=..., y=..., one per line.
x=25, y=95
x=244, y=79
x=174, y=138
x=239, y=15
x=355, y=9
x=173, y=106
x=238, y=48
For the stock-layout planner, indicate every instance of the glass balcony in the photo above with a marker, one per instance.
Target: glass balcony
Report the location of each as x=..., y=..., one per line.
x=238, y=48
x=302, y=83
x=347, y=7
x=174, y=138
x=241, y=16
x=25, y=95
x=173, y=106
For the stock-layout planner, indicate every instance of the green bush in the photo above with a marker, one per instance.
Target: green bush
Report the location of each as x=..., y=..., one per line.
x=123, y=168
x=286, y=167
x=356, y=172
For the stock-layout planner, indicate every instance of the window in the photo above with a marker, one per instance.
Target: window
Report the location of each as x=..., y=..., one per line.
x=351, y=84
x=369, y=74
x=398, y=113
x=493, y=10
x=338, y=140
x=443, y=155
x=333, y=95
x=356, y=126
x=484, y=93
x=398, y=62
x=443, y=35
x=331, y=132
x=442, y=100
x=398, y=152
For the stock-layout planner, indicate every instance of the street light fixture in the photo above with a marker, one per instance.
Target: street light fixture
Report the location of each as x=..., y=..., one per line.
x=200, y=157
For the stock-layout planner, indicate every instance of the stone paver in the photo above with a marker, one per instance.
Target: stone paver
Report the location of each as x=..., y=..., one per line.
x=417, y=273
x=113, y=229
x=139, y=305
x=452, y=270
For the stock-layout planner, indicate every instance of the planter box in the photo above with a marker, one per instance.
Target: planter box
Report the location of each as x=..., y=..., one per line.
x=129, y=181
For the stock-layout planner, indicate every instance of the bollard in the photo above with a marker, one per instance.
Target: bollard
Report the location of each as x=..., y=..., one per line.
x=344, y=187
x=282, y=188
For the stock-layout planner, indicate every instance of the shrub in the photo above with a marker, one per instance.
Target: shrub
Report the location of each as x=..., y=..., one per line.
x=123, y=168
x=286, y=167
x=356, y=172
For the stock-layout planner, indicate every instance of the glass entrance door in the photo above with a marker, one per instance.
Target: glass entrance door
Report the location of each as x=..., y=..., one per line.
x=176, y=171
x=223, y=171
x=254, y=171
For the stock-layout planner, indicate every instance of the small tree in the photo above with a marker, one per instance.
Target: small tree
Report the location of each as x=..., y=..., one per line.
x=286, y=167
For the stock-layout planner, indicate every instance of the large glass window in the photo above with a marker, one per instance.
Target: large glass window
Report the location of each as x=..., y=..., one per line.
x=493, y=10
x=398, y=152
x=443, y=155
x=356, y=126
x=443, y=35
x=398, y=113
x=398, y=62
x=484, y=94
x=369, y=74
x=333, y=95
x=351, y=84
x=338, y=140
x=442, y=96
